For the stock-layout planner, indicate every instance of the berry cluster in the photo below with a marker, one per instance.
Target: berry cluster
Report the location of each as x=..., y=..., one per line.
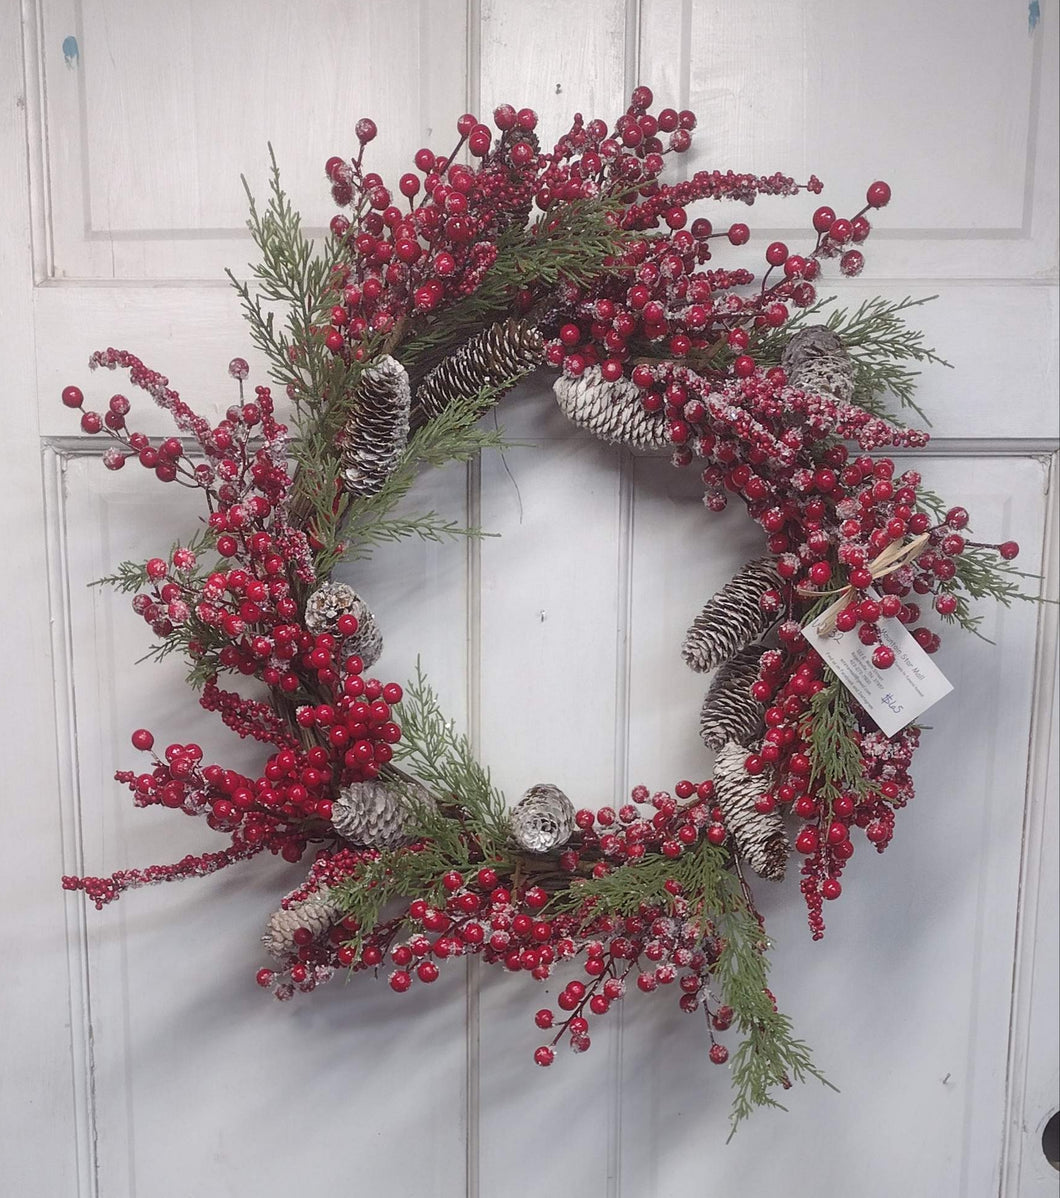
x=330, y=725
x=510, y=923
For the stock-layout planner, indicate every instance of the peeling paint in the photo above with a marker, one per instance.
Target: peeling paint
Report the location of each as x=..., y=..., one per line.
x=1034, y=15
x=71, y=51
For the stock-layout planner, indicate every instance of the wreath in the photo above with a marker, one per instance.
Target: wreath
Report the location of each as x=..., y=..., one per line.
x=388, y=343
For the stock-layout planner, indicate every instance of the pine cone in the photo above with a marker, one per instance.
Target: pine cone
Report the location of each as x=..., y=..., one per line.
x=760, y=838
x=733, y=617
x=502, y=353
x=317, y=914
x=374, y=814
x=377, y=428
x=543, y=819
x=813, y=341
x=816, y=361
x=730, y=711
x=611, y=411
x=334, y=599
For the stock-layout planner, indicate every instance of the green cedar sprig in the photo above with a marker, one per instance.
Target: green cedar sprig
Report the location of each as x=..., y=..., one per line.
x=443, y=760
x=880, y=343
x=574, y=245
x=829, y=732
x=453, y=436
x=768, y=1056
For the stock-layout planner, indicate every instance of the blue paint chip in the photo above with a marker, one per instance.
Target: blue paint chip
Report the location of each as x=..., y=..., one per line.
x=71, y=52
x=1034, y=15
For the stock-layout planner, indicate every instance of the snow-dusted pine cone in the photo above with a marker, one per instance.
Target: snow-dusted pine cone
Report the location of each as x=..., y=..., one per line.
x=504, y=352
x=374, y=814
x=334, y=599
x=760, y=837
x=543, y=819
x=733, y=617
x=816, y=361
x=730, y=711
x=317, y=914
x=812, y=341
x=611, y=411
x=377, y=429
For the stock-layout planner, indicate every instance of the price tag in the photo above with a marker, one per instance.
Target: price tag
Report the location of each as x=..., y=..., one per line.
x=893, y=697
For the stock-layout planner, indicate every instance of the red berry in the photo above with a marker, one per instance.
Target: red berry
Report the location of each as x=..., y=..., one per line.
x=852, y=263
x=831, y=888
x=1008, y=550
x=544, y=1055
x=878, y=194
x=142, y=740
x=400, y=981
x=73, y=397
x=883, y=657
x=777, y=254
x=739, y=234
x=719, y=1054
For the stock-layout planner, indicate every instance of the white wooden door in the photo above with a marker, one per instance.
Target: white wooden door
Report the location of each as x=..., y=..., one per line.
x=137, y=1057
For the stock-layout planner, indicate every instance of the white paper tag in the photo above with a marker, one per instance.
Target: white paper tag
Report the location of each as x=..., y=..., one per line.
x=893, y=697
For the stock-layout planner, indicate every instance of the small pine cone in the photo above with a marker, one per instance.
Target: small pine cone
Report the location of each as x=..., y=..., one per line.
x=374, y=814
x=760, y=837
x=816, y=361
x=733, y=617
x=317, y=914
x=813, y=341
x=377, y=428
x=334, y=599
x=730, y=711
x=543, y=819
x=502, y=353
x=611, y=411
x=831, y=374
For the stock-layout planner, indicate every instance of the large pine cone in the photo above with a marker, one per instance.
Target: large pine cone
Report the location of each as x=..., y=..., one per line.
x=611, y=411
x=377, y=429
x=733, y=617
x=503, y=353
x=760, y=837
x=730, y=712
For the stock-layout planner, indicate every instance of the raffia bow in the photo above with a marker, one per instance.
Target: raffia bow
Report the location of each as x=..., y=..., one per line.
x=893, y=558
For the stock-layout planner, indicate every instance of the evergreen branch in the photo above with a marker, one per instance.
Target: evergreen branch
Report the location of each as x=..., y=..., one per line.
x=574, y=245
x=829, y=731
x=427, y=527
x=445, y=763
x=879, y=342
x=453, y=436
x=768, y=1055
x=129, y=577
